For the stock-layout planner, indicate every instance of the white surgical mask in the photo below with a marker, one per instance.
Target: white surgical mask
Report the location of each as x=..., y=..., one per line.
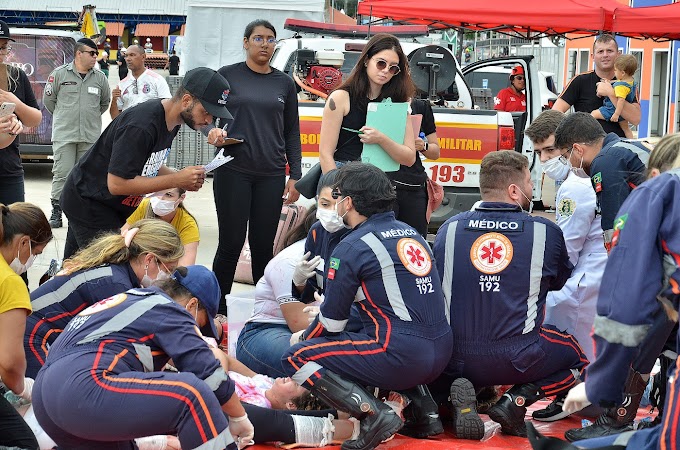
x=16, y=264
x=531, y=204
x=579, y=171
x=557, y=168
x=162, y=207
x=329, y=220
x=341, y=218
x=148, y=281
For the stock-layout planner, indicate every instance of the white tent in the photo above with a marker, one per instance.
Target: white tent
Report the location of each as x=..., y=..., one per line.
x=214, y=30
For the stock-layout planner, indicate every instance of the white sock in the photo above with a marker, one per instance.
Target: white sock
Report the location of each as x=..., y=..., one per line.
x=159, y=442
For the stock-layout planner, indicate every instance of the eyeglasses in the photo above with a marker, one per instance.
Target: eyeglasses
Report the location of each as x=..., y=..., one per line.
x=519, y=77
x=260, y=40
x=134, y=87
x=92, y=53
x=381, y=64
x=6, y=49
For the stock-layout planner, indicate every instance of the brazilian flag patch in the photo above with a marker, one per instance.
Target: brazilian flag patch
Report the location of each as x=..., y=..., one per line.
x=597, y=182
x=335, y=263
x=620, y=222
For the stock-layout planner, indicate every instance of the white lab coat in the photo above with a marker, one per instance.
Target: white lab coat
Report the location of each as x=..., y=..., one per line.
x=573, y=308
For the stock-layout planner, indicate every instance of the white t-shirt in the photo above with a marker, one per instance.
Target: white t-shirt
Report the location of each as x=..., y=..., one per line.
x=149, y=85
x=274, y=288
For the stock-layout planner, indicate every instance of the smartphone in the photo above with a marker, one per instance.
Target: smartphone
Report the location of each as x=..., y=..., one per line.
x=6, y=108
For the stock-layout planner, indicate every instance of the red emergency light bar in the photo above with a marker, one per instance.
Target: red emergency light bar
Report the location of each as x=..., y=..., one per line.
x=349, y=31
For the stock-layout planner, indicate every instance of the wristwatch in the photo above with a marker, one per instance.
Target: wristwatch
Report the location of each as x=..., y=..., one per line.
x=425, y=145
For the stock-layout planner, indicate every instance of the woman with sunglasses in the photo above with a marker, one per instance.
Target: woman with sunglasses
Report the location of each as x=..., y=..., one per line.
x=263, y=101
x=380, y=73
x=513, y=98
x=112, y=264
x=24, y=233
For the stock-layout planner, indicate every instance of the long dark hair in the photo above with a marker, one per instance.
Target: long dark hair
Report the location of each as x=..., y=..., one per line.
x=257, y=23
x=400, y=88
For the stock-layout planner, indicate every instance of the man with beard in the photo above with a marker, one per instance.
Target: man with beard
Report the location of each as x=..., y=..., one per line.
x=126, y=162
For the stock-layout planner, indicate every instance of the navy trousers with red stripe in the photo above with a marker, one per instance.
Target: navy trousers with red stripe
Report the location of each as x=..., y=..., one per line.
x=403, y=360
x=548, y=361
x=81, y=410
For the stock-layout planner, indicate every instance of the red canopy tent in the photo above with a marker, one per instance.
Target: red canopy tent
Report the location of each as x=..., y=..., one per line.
x=522, y=18
x=654, y=22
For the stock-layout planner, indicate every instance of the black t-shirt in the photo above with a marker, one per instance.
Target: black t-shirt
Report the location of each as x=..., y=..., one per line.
x=174, y=64
x=104, y=63
x=265, y=110
x=135, y=143
x=349, y=145
x=581, y=93
x=415, y=174
x=10, y=159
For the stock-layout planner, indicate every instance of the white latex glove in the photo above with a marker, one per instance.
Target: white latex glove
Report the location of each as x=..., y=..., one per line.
x=28, y=389
x=296, y=337
x=311, y=311
x=242, y=430
x=576, y=399
x=305, y=269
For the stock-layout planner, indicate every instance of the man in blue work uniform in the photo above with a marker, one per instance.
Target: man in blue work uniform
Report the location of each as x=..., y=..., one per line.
x=497, y=264
x=386, y=268
x=106, y=364
x=615, y=168
x=644, y=266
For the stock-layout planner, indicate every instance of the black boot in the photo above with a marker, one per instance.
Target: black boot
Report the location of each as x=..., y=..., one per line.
x=618, y=419
x=422, y=414
x=55, y=218
x=466, y=422
x=510, y=410
x=540, y=442
x=378, y=421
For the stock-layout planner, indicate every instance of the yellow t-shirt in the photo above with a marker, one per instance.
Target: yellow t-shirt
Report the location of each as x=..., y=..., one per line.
x=13, y=290
x=182, y=222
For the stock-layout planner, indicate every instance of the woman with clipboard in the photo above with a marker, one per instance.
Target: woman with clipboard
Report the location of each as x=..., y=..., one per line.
x=380, y=73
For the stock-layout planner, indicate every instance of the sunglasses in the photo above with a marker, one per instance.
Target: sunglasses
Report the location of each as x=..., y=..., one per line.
x=336, y=194
x=381, y=64
x=92, y=53
x=519, y=77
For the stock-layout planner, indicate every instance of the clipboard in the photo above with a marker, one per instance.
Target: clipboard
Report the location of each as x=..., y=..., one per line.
x=390, y=119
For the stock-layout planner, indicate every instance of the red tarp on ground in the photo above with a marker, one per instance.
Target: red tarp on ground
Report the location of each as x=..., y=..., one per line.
x=655, y=22
x=493, y=438
x=515, y=17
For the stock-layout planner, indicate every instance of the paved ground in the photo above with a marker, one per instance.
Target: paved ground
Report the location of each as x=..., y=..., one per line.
x=200, y=204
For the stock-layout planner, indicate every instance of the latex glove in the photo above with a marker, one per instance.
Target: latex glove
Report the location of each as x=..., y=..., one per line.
x=28, y=389
x=305, y=269
x=576, y=399
x=311, y=311
x=296, y=337
x=241, y=430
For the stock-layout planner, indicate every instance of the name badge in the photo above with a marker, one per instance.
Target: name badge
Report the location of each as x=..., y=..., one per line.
x=93, y=90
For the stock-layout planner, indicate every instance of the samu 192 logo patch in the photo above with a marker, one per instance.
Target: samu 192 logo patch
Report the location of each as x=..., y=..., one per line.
x=491, y=253
x=566, y=207
x=597, y=182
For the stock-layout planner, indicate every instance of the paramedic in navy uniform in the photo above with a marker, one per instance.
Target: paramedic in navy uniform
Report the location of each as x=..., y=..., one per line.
x=497, y=264
x=102, y=384
x=386, y=267
x=126, y=162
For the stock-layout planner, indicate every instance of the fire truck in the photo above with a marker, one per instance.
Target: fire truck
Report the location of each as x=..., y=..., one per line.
x=320, y=56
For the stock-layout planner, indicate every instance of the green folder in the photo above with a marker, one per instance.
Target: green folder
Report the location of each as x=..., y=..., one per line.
x=390, y=119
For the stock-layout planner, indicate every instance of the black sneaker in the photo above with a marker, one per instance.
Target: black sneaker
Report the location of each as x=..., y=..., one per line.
x=466, y=422
x=603, y=426
x=552, y=412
